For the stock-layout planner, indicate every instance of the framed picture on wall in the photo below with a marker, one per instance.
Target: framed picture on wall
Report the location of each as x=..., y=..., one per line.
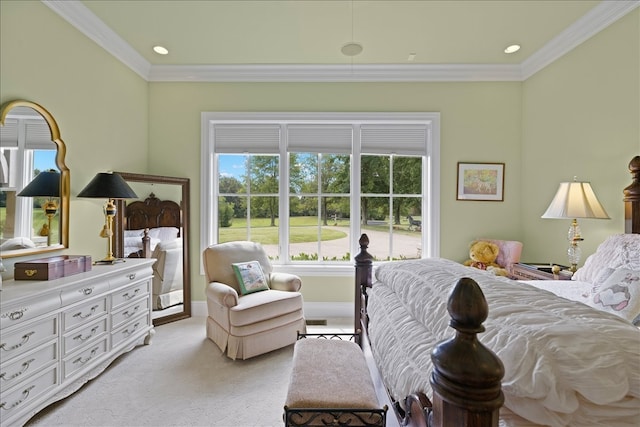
x=480, y=181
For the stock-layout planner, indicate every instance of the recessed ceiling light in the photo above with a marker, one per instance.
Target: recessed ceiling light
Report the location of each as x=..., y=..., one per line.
x=351, y=49
x=512, y=49
x=160, y=50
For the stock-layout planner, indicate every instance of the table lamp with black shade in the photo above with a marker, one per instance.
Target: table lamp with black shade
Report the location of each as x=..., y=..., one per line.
x=45, y=184
x=110, y=186
x=575, y=200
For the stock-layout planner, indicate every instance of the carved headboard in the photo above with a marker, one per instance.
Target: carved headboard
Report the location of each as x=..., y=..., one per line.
x=152, y=213
x=145, y=215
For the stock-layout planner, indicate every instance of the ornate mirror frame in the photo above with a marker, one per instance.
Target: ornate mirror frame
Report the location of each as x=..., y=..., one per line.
x=119, y=227
x=65, y=178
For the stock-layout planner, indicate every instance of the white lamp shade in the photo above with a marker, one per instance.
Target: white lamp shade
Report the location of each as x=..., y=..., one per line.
x=575, y=200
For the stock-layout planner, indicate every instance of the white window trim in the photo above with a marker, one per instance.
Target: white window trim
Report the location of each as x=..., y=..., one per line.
x=431, y=188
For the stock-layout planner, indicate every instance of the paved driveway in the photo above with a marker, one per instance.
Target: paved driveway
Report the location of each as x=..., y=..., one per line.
x=404, y=245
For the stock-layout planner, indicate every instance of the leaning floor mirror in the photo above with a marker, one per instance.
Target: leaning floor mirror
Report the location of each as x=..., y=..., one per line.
x=156, y=225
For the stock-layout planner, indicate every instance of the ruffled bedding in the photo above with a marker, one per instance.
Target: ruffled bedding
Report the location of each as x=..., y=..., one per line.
x=566, y=364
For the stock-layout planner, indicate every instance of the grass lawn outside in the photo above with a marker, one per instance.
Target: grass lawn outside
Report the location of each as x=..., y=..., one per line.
x=302, y=229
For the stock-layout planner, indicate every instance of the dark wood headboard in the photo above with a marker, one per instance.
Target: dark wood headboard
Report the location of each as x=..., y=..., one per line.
x=152, y=213
x=142, y=215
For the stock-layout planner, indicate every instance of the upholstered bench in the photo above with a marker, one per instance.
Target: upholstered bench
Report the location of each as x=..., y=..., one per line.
x=330, y=385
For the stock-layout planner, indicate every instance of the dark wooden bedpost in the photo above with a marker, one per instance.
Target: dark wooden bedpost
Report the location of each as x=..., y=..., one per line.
x=364, y=268
x=632, y=199
x=466, y=375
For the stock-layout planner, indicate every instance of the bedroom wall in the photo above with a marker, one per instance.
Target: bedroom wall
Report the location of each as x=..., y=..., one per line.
x=581, y=117
x=99, y=104
x=480, y=122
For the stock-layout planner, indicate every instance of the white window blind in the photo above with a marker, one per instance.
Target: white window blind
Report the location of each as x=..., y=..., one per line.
x=38, y=136
x=329, y=138
x=400, y=139
x=251, y=138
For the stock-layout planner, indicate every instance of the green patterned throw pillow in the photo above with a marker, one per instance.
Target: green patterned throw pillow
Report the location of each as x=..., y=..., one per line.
x=250, y=277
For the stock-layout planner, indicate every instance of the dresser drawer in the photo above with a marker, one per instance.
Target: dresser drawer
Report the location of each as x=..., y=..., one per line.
x=125, y=295
x=23, y=366
x=14, y=399
x=76, y=362
x=84, y=335
x=19, y=340
x=16, y=314
x=83, y=313
x=83, y=292
x=130, y=277
x=128, y=312
x=130, y=330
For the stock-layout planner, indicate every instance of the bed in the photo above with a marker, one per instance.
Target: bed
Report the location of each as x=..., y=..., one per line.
x=546, y=356
x=152, y=229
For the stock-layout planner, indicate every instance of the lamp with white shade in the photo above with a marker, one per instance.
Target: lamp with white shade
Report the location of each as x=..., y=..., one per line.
x=575, y=200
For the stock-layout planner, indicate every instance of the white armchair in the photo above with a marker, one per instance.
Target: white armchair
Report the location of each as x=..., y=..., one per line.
x=248, y=325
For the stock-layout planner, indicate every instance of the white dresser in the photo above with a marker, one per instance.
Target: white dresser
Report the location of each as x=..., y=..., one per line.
x=56, y=335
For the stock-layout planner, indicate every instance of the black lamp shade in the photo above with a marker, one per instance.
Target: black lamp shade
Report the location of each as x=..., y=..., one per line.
x=47, y=184
x=107, y=185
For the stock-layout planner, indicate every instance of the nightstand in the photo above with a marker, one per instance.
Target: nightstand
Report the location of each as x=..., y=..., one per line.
x=530, y=271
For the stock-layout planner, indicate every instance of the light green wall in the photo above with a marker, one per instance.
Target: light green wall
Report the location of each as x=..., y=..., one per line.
x=581, y=117
x=480, y=122
x=100, y=105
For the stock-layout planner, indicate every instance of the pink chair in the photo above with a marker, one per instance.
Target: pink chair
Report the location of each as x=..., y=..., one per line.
x=510, y=251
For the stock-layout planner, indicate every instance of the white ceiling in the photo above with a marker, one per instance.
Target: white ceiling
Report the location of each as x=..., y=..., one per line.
x=300, y=40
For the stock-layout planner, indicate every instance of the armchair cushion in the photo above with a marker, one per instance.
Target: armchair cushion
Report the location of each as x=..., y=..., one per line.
x=250, y=277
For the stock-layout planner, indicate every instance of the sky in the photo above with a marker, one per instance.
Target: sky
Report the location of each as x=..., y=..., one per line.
x=44, y=160
x=231, y=165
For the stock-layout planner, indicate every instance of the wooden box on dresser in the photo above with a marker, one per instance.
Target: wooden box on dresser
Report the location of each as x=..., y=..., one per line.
x=56, y=335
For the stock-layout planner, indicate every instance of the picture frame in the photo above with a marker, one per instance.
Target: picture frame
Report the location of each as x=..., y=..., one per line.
x=480, y=181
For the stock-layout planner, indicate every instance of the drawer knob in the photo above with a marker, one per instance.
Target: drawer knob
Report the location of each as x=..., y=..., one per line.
x=25, y=395
x=86, y=291
x=83, y=339
x=128, y=297
x=132, y=276
x=25, y=339
x=84, y=316
x=25, y=366
x=15, y=315
x=83, y=361
x=135, y=310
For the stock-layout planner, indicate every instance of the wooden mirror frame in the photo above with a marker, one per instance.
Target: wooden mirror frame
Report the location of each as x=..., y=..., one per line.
x=65, y=178
x=118, y=235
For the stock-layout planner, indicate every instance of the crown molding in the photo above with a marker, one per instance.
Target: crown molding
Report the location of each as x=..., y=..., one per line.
x=335, y=73
x=604, y=14
x=594, y=21
x=78, y=15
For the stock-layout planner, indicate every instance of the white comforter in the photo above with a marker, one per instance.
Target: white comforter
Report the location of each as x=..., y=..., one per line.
x=566, y=364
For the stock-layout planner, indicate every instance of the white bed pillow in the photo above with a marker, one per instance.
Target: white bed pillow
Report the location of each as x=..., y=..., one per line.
x=163, y=233
x=619, y=294
x=133, y=233
x=617, y=251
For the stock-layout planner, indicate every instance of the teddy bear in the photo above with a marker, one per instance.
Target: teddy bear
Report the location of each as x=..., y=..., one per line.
x=483, y=255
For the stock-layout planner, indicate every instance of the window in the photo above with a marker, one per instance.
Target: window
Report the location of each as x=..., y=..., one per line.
x=26, y=150
x=306, y=185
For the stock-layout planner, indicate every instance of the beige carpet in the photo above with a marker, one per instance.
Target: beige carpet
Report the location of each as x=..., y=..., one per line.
x=182, y=379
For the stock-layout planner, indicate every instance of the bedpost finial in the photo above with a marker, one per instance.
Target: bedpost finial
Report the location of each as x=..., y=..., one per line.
x=466, y=374
x=364, y=241
x=467, y=306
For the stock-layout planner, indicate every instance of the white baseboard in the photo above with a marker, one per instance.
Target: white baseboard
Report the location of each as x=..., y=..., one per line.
x=312, y=310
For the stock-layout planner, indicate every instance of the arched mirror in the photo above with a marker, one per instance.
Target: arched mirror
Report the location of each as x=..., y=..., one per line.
x=157, y=226
x=35, y=181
